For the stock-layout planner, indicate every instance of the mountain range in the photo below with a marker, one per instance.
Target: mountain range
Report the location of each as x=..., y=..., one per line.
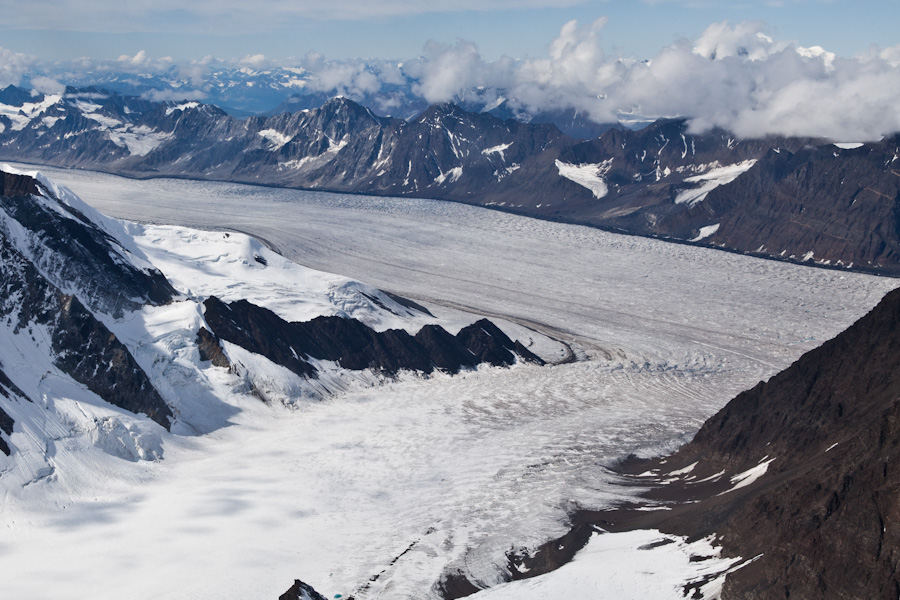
x=798, y=199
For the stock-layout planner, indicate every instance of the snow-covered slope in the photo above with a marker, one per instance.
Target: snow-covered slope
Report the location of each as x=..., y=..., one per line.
x=94, y=333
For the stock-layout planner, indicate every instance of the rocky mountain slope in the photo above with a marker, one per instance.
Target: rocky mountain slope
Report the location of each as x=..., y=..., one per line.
x=798, y=476
x=56, y=266
x=824, y=515
x=795, y=199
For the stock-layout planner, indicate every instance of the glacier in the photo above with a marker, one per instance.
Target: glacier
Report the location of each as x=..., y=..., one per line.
x=456, y=470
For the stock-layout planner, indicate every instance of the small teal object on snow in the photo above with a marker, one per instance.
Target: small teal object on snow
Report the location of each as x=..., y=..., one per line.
x=338, y=596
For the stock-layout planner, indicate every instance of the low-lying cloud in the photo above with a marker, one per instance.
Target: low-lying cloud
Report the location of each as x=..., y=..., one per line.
x=13, y=66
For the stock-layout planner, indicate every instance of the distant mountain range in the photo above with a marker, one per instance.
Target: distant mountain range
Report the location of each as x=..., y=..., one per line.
x=799, y=199
x=245, y=92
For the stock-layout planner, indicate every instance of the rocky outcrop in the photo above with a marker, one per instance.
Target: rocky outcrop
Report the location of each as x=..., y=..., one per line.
x=210, y=349
x=301, y=591
x=88, y=352
x=8, y=390
x=489, y=344
x=355, y=346
x=6, y=426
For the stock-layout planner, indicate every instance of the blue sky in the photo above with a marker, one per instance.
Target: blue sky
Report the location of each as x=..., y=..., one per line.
x=399, y=29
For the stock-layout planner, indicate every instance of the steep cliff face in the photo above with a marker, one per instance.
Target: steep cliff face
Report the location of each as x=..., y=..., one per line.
x=822, y=204
x=66, y=241
x=825, y=515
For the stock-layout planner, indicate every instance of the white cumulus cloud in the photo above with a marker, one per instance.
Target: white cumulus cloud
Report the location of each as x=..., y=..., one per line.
x=732, y=76
x=13, y=65
x=47, y=85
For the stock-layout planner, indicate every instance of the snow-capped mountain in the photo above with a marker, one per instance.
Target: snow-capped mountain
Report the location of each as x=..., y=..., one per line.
x=114, y=334
x=244, y=91
x=340, y=146
x=791, y=198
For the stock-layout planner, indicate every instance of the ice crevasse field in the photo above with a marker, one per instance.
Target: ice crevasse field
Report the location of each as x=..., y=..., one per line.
x=446, y=472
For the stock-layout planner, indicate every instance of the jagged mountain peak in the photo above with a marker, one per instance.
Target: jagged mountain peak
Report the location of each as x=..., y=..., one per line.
x=342, y=107
x=664, y=180
x=450, y=114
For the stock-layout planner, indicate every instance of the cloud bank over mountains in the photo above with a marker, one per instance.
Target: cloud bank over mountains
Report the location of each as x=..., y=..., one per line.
x=732, y=76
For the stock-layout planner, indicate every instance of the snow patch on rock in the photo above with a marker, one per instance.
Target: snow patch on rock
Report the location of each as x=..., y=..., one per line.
x=710, y=181
x=587, y=175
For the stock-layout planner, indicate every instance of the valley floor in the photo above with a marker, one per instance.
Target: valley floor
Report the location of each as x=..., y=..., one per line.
x=458, y=470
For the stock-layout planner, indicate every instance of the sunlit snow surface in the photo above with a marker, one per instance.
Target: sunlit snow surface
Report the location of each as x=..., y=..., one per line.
x=607, y=568
x=460, y=468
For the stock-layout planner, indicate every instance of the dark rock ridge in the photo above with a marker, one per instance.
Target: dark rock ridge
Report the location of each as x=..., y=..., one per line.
x=340, y=146
x=210, y=350
x=92, y=355
x=356, y=346
x=80, y=345
x=9, y=391
x=826, y=514
x=800, y=473
x=6, y=426
x=842, y=205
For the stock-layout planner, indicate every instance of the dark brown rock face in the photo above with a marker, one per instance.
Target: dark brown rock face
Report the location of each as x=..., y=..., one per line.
x=210, y=349
x=842, y=205
x=824, y=516
x=12, y=185
x=356, y=346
